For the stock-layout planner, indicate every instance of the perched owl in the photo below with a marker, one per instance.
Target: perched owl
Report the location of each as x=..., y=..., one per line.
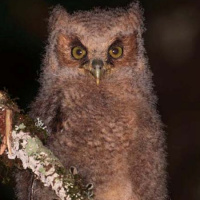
x=96, y=98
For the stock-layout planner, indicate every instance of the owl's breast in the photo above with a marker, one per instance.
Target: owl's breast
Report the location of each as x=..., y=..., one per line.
x=94, y=134
x=97, y=120
x=96, y=138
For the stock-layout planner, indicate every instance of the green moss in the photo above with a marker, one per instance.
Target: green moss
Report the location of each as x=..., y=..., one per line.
x=42, y=170
x=31, y=147
x=30, y=127
x=60, y=170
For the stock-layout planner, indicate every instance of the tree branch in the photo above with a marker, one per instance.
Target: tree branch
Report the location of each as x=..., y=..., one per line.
x=18, y=135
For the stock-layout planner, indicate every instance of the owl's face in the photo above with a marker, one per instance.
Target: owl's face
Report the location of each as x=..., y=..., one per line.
x=96, y=43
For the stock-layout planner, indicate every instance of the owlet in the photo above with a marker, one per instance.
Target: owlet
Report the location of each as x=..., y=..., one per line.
x=96, y=99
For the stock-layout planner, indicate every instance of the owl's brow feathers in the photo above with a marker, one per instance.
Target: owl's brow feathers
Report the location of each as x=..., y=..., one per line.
x=65, y=44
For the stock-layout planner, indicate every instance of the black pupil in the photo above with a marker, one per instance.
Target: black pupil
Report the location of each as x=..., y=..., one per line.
x=115, y=51
x=79, y=52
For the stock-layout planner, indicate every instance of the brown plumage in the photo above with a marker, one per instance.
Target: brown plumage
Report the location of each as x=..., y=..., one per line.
x=109, y=130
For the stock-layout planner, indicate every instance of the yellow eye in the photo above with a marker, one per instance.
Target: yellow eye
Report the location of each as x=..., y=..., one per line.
x=78, y=52
x=116, y=52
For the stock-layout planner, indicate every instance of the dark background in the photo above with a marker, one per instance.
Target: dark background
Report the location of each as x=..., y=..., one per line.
x=172, y=41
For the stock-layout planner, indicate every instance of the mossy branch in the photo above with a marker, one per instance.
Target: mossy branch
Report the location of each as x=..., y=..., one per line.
x=19, y=141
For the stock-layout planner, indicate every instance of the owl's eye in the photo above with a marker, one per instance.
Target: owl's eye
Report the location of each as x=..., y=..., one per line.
x=116, y=52
x=78, y=52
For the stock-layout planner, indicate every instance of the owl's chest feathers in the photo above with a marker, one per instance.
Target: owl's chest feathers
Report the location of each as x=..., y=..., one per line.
x=97, y=132
x=99, y=121
x=98, y=129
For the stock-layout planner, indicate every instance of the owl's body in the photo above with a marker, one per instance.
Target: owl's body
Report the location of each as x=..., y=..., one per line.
x=109, y=130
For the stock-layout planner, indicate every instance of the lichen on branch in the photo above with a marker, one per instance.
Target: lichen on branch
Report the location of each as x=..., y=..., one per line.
x=18, y=135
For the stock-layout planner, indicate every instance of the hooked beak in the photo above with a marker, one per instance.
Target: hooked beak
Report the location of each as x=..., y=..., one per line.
x=97, y=69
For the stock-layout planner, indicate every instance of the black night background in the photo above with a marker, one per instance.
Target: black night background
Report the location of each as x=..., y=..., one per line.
x=172, y=41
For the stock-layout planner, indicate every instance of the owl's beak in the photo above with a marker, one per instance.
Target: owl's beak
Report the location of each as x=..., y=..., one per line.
x=97, y=69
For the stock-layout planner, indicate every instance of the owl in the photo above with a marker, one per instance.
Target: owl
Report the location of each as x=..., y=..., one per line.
x=97, y=100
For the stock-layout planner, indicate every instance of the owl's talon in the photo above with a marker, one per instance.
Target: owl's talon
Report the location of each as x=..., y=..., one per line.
x=90, y=194
x=73, y=170
x=89, y=186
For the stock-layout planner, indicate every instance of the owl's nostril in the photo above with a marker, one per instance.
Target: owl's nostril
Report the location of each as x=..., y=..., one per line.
x=97, y=64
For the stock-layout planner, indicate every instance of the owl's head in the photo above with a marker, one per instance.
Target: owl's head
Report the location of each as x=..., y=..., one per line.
x=94, y=43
